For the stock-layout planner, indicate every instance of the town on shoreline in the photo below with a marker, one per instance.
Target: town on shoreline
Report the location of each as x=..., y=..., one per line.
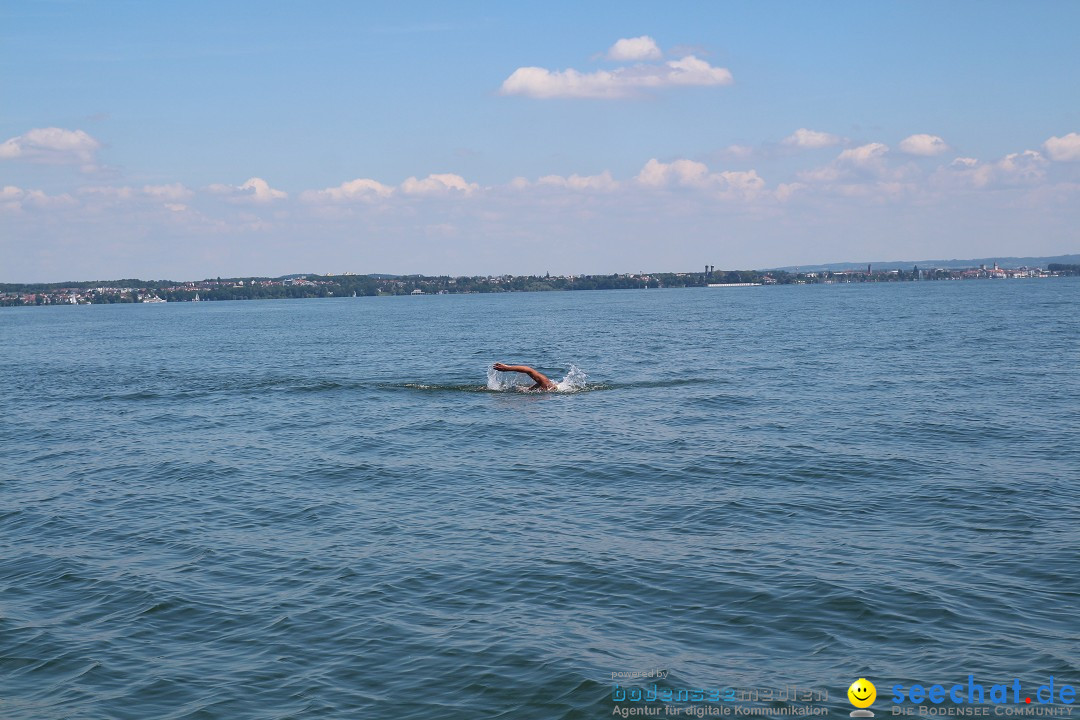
x=352, y=285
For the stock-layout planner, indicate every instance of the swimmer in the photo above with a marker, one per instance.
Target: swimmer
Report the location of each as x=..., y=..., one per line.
x=542, y=382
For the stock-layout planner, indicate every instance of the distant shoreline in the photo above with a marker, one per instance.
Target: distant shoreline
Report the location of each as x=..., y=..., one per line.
x=312, y=286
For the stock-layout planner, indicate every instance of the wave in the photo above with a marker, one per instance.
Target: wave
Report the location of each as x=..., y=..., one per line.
x=438, y=387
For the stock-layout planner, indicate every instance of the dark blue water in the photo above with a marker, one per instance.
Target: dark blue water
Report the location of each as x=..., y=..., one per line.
x=314, y=509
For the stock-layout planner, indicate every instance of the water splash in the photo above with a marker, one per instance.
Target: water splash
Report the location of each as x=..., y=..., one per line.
x=574, y=381
x=500, y=381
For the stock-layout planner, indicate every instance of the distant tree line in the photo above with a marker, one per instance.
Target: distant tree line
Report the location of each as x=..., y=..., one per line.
x=1064, y=269
x=131, y=290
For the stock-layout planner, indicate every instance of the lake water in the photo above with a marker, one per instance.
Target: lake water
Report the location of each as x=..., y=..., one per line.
x=316, y=509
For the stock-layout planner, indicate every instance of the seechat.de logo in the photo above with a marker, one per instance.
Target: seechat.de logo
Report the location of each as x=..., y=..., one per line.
x=862, y=694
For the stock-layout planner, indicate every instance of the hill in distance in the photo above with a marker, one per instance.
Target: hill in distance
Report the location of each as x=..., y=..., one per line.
x=1005, y=262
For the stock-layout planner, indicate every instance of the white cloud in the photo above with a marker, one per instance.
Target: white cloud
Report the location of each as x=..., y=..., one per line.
x=438, y=185
x=51, y=145
x=1015, y=169
x=690, y=173
x=811, y=139
x=1063, y=149
x=639, y=48
x=255, y=190
x=621, y=82
x=361, y=189
x=682, y=172
x=861, y=171
x=923, y=144
x=13, y=199
x=603, y=181
x=261, y=192
x=1022, y=168
x=864, y=155
x=693, y=71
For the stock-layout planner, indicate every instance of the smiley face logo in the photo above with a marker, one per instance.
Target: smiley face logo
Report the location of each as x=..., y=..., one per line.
x=862, y=693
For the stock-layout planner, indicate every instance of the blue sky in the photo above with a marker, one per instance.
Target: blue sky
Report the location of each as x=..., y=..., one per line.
x=196, y=139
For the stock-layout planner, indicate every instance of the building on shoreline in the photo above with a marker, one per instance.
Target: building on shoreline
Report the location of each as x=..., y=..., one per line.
x=352, y=285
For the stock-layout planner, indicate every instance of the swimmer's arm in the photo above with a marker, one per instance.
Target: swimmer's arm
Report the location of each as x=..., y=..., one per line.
x=540, y=380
